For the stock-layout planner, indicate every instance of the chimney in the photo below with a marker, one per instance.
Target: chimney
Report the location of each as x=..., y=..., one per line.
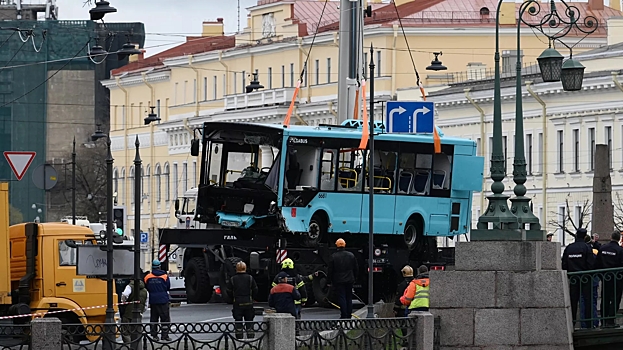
x=596, y=5
x=213, y=28
x=615, y=30
x=137, y=58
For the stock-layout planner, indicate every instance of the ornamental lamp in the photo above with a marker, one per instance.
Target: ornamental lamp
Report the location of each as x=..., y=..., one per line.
x=572, y=75
x=550, y=64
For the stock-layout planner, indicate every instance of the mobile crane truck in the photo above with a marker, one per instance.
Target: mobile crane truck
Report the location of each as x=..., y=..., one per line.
x=267, y=192
x=38, y=272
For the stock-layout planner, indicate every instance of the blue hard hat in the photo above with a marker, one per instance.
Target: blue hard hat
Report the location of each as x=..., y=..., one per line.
x=156, y=263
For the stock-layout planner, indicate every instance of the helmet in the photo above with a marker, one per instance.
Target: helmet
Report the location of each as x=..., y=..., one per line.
x=407, y=271
x=340, y=243
x=287, y=264
x=155, y=263
x=241, y=267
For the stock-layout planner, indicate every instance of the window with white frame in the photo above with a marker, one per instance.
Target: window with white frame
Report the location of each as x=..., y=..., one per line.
x=132, y=187
x=591, y=149
x=157, y=178
x=235, y=83
x=214, y=87
x=194, y=184
x=244, y=80
x=541, y=151
x=291, y=74
x=317, y=72
x=329, y=70
x=122, y=180
x=194, y=90
x=576, y=150
x=224, y=87
x=561, y=151
x=205, y=88
x=175, y=181
x=184, y=94
x=577, y=216
x=270, y=77
x=378, y=63
x=167, y=182
x=184, y=177
x=562, y=224
x=530, y=151
x=505, y=145
x=283, y=76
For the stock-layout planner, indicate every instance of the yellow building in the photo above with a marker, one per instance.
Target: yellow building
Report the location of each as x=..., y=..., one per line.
x=204, y=79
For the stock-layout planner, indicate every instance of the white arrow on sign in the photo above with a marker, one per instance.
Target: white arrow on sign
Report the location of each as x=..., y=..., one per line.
x=422, y=110
x=400, y=110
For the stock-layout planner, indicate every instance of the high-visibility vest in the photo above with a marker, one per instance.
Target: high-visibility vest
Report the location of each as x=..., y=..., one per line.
x=420, y=299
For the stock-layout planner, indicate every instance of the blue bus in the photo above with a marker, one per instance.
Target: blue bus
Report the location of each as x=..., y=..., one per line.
x=311, y=183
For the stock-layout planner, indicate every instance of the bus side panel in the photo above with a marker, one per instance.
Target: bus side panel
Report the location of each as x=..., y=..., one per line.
x=407, y=206
x=345, y=211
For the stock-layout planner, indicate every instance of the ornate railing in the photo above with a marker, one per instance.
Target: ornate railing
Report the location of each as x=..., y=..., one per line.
x=14, y=337
x=597, y=297
x=363, y=334
x=212, y=336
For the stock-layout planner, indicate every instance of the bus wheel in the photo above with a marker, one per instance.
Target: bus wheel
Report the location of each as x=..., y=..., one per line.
x=413, y=234
x=197, y=281
x=316, y=232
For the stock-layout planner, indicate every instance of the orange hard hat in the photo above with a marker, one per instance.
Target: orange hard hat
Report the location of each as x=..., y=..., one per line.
x=340, y=243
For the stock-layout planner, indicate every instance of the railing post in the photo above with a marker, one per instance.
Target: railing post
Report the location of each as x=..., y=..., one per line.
x=281, y=332
x=424, y=330
x=46, y=334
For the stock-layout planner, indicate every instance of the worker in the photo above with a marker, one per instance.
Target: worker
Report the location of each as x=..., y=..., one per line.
x=416, y=296
x=550, y=236
x=297, y=281
x=128, y=295
x=407, y=275
x=342, y=273
x=244, y=290
x=610, y=256
x=283, y=296
x=158, y=285
x=578, y=256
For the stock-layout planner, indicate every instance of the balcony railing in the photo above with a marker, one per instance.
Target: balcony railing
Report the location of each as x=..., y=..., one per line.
x=269, y=97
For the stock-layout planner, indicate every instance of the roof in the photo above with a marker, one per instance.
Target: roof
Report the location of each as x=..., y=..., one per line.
x=193, y=45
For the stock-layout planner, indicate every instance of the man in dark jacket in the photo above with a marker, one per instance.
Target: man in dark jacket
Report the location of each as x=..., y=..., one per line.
x=610, y=256
x=407, y=274
x=243, y=288
x=342, y=274
x=578, y=256
x=158, y=285
x=297, y=281
x=128, y=295
x=283, y=296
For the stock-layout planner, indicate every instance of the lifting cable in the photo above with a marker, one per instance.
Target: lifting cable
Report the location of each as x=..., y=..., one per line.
x=286, y=121
x=436, y=138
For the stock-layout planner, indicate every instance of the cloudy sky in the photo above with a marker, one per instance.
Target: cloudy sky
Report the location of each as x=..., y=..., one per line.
x=166, y=21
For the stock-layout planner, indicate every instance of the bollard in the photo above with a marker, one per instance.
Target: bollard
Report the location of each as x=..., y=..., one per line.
x=46, y=334
x=281, y=332
x=424, y=330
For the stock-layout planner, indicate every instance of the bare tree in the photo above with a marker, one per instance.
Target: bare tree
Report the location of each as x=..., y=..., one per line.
x=617, y=207
x=90, y=182
x=568, y=222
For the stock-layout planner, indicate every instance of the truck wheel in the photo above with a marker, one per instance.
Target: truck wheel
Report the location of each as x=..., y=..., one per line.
x=197, y=281
x=316, y=232
x=228, y=269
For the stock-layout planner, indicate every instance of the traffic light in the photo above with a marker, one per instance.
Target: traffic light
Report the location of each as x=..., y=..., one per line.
x=119, y=218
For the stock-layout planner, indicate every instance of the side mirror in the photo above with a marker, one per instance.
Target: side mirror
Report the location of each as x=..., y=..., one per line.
x=194, y=148
x=177, y=205
x=254, y=261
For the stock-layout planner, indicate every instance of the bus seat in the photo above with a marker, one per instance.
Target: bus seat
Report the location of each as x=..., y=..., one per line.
x=405, y=181
x=347, y=177
x=420, y=183
x=293, y=175
x=439, y=178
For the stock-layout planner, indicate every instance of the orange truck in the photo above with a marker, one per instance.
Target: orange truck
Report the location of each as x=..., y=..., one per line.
x=38, y=272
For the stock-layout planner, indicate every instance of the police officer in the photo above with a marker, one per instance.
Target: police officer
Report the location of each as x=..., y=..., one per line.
x=578, y=256
x=342, y=274
x=611, y=256
x=295, y=280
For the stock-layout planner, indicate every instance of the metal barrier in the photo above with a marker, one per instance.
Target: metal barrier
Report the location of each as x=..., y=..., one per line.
x=378, y=333
x=596, y=297
x=213, y=335
x=14, y=337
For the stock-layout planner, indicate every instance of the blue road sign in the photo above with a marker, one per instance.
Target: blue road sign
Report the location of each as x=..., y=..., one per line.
x=410, y=116
x=144, y=237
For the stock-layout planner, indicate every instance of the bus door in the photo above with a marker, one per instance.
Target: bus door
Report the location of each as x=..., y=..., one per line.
x=385, y=174
x=341, y=174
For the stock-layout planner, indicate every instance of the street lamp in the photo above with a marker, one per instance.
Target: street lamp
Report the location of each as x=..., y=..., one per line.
x=100, y=10
x=550, y=64
x=436, y=63
x=371, y=193
x=128, y=49
x=110, y=311
x=151, y=117
x=572, y=75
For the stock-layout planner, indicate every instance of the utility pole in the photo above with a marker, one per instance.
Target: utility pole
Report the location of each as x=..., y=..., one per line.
x=603, y=216
x=350, y=48
x=73, y=183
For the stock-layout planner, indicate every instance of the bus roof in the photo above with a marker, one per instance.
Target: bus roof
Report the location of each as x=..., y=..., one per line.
x=329, y=131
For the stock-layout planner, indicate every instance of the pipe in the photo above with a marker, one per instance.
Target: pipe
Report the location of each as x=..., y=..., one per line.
x=483, y=142
x=334, y=113
x=190, y=64
x=125, y=126
x=543, y=151
x=220, y=60
x=394, y=60
x=302, y=54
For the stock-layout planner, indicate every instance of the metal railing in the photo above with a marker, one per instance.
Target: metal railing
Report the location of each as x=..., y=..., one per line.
x=213, y=335
x=362, y=334
x=596, y=298
x=14, y=337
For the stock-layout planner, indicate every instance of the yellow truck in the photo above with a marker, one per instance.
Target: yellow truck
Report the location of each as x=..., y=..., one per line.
x=38, y=272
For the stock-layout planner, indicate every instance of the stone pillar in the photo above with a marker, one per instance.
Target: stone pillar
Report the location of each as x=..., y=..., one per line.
x=46, y=334
x=281, y=332
x=603, y=216
x=503, y=294
x=424, y=330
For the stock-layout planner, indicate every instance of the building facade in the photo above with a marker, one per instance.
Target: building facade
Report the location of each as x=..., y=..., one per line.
x=204, y=79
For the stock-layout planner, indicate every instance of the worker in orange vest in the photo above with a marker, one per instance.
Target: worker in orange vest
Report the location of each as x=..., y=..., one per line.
x=416, y=294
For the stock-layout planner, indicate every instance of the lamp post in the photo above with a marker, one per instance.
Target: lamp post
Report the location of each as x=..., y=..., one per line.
x=73, y=183
x=510, y=224
x=136, y=310
x=371, y=191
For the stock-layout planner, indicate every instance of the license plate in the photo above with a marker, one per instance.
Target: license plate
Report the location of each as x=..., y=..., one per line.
x=230, y=223
x=378, y=261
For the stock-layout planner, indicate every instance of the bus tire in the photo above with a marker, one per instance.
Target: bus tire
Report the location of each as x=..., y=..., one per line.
x=197, y=281
x=316, y=232
x=413, y=234
x=228, y=269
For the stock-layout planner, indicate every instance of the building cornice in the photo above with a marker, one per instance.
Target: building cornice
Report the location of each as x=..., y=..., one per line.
x=137, y=79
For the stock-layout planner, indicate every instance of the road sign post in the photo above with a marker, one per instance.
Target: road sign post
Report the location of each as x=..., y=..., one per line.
x=19, y=162
x=410, y=116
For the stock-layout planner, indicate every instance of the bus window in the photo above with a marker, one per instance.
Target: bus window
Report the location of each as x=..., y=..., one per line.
x=384, y=171
x=301, y=166
x=327, y=170
x=442, y=171
x=350, y=163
